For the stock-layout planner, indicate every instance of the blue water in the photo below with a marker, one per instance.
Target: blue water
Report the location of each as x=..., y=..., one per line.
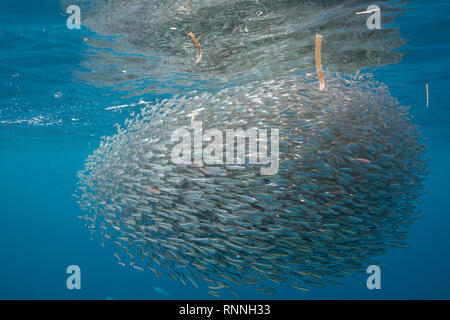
x=50, y=121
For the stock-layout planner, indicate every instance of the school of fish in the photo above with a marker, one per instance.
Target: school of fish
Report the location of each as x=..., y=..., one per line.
x=351, y=167
x=152, y=50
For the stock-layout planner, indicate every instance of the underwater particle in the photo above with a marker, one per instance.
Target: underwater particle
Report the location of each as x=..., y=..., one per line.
x=199, y=49
x=427, y=92
x=58, y=95
x=321, y=216
x=319, y=61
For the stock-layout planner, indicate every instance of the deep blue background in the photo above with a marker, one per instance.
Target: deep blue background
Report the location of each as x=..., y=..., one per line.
x=40, y=234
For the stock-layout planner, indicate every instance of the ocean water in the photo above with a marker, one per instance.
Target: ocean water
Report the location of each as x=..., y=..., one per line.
x=63, y=89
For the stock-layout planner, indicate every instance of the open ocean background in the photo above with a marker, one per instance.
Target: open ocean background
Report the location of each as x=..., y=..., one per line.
x=50, y=121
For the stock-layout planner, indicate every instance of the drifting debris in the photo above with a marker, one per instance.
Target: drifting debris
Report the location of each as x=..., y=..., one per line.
x=319, y=61
x=199, y=49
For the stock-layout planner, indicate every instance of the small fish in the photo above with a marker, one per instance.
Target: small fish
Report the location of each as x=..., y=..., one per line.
x=362, y=160
x=138, y=268
x=153, y=190
x=161, y=291
x=300, y=288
